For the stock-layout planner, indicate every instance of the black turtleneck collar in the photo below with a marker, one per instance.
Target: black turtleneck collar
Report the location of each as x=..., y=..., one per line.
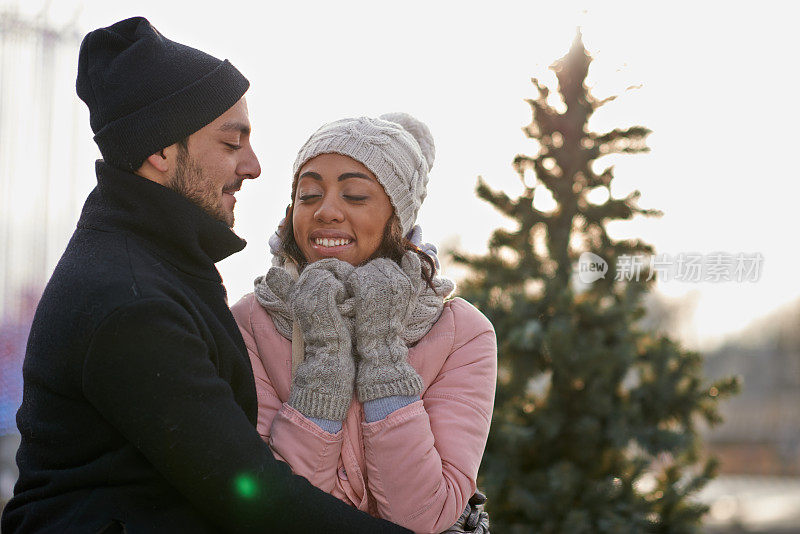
x=165, y=221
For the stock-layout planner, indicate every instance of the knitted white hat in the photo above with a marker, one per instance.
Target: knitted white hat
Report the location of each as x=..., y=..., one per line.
x=396, y=147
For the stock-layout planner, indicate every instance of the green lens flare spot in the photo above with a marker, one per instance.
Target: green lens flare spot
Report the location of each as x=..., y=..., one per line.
x=246, y=486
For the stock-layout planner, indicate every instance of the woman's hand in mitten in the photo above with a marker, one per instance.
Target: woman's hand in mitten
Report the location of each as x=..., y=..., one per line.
x=383, y=298
x=322, y=386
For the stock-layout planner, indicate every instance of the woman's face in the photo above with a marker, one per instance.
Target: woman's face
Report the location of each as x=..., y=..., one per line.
x=340, y=210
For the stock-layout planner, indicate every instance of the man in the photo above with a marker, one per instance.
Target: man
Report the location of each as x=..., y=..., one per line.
x=139, y=407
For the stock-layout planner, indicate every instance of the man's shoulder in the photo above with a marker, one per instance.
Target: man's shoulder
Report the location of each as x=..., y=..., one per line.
x=102, y=271
x=92, y=282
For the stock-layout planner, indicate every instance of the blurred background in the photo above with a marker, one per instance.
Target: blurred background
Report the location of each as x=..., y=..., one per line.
x=715, y=82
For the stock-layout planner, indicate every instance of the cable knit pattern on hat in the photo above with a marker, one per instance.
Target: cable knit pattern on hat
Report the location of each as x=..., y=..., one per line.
x=419, y=130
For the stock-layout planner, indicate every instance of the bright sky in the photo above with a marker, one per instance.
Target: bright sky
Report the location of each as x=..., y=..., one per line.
x=717, y=90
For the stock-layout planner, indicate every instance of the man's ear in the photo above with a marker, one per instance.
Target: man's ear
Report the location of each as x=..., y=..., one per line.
x=160, y=166
x=159, y=161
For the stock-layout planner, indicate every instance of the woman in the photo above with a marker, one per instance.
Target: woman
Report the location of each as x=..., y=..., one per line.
x=370, y=383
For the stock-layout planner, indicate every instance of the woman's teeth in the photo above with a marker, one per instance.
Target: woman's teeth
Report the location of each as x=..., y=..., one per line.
x=324, y=242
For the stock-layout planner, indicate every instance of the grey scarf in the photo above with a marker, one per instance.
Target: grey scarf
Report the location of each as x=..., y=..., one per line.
x=272, y=292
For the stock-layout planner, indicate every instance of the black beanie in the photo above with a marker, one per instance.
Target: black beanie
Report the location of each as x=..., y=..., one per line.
x=146, y=92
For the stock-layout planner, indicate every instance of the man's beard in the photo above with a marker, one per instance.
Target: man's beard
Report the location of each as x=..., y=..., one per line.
x=190, y=181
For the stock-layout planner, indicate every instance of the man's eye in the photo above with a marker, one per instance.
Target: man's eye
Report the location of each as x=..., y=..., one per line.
x=356, y=198
x=233, y=146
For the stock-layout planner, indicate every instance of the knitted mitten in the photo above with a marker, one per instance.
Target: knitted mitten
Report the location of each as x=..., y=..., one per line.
x=322, y=386
x=383, y=299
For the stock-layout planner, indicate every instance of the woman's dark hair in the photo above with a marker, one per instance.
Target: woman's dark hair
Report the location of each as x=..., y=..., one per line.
x=393, y=245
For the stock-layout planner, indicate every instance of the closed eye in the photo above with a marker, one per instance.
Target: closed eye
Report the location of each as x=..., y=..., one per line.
x=356, y=198
x=233, y=146
x=307, y=197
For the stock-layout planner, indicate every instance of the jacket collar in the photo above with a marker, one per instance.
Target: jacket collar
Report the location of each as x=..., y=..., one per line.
x=164, y=221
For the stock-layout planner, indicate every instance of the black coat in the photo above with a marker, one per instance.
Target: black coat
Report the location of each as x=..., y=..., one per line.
x=139, y=406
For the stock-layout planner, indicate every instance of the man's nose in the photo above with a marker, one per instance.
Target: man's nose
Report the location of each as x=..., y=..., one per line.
x=250, y=168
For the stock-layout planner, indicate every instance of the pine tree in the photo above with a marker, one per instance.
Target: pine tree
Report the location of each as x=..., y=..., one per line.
x=595, y=423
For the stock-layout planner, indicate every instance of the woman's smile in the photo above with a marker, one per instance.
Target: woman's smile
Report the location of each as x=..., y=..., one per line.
x=331, y=243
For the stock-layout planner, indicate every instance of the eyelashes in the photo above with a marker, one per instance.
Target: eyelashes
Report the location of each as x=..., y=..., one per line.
x=312, y=196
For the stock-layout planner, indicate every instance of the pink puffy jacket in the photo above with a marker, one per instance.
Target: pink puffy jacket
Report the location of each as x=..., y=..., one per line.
x=417, y=467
